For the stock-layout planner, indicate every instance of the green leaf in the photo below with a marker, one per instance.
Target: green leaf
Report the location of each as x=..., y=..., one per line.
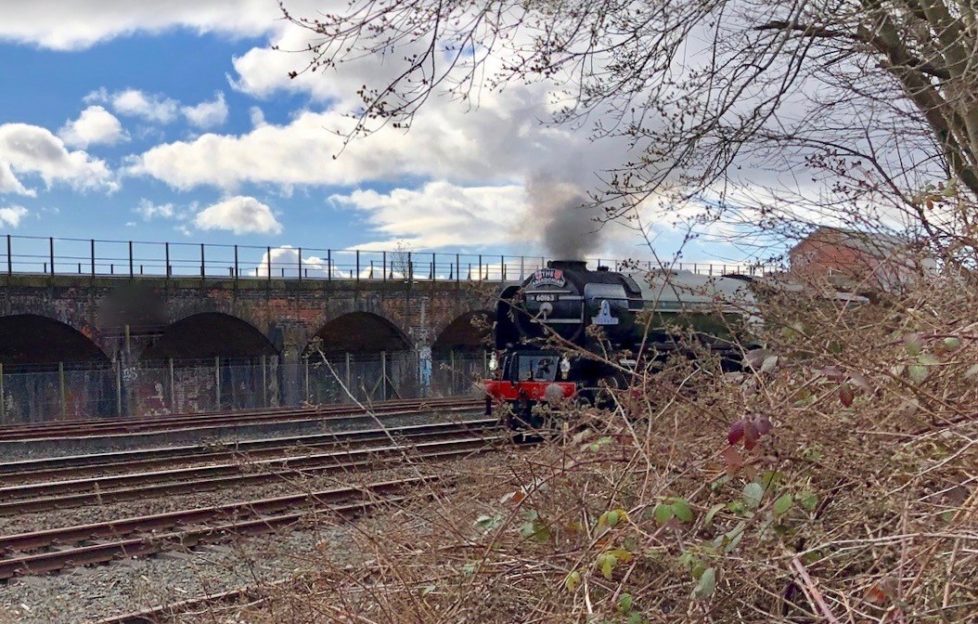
x=737, y=507
x=809, y=501
x=770, y=478
x=708, y=520
x=486, y=523
x=681, y=509
x=572, y=581
x=607, y=564
x=733, y=537
x=783, y=504
x=753, y=493
x=635, y=618
x=913, y=344
x=918, y=372
x=625, y=603
x=707, y=584
x=664, y=513
x=611, y=518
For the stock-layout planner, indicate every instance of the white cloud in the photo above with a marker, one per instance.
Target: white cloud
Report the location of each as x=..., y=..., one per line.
x=257, y=117
x=81, y=23
x=149, y=211
x=441, y=214
x=241, y=215
x=95, y=126
x=207, y=114
x=152, y=107
x=12, y=215
x=32, y=150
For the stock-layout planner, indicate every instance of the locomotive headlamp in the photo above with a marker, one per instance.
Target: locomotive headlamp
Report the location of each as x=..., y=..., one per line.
x=564, y=367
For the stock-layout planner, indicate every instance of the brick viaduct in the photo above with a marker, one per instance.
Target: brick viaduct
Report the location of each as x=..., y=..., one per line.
x=61, y=320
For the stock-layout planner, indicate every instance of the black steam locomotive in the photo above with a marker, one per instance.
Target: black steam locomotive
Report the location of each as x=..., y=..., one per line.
x=609, y=320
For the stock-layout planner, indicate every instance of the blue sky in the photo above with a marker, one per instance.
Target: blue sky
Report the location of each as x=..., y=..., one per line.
x=126, y=120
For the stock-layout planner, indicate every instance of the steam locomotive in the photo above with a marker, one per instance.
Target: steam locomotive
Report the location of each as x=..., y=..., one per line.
x=569, y=333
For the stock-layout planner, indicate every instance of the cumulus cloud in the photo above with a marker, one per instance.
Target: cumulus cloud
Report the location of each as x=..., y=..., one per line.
x=149, y=211
x=239, y=214
x=151, y=107
x=27, y=150
x=12, y=215
x=95, y=126
x=441, y=214
x=207, y=114
x=81, y=23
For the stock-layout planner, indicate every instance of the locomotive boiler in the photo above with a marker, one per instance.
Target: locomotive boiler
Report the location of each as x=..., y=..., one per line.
x=568, y=332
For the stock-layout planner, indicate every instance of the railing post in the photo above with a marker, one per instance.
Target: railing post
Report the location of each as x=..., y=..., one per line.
x=166, y=252
x=502, y=268
x=410, y=269
x=434, y=266
x=10, y=262
x=329, y=265
x=92, y=254
x=268, y=263
x=51, y=252
x=522, y=265
x=235, y=265
x=358, y=266
x=130, y=260
x=480, y=267
x=203, y=263
x=300, y=264
x=458, y=270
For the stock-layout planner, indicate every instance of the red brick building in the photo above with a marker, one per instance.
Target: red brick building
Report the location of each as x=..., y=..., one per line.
x=858, y=260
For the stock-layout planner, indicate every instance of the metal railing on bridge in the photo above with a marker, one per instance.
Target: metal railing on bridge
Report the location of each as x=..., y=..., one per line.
x=51, y=256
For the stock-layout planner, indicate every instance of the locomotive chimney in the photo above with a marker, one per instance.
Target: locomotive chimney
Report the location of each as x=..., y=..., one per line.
x=567, y=265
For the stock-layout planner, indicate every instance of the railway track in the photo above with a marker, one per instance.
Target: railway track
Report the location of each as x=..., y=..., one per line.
x=129, y=427
x=90, y=464
x=54, y=550
x=428, y=442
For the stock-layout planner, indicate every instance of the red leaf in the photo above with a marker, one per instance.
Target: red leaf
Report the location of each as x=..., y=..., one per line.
x=833, y=372
x=845, y=394
x=736, y=431
x=763, y=425
x=750, y=435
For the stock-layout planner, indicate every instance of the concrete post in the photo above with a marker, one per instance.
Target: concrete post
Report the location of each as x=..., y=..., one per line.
x=173, y=387
x=61, y=390
x=383, y=375
x=264, y=380
x=217, y=381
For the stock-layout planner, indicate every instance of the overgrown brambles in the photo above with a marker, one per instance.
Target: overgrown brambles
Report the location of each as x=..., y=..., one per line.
x=835, y=486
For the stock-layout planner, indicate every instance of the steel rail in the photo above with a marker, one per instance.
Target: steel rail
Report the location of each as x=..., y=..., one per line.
x=214, y=420
x=148, y=485
x=77, y=465
x=260, y=516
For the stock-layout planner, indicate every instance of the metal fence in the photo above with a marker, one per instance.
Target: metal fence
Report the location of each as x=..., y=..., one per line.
x=34, y=394
x=132, y=259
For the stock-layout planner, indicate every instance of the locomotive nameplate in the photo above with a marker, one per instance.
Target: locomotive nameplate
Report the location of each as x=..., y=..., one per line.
x=548, y=277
